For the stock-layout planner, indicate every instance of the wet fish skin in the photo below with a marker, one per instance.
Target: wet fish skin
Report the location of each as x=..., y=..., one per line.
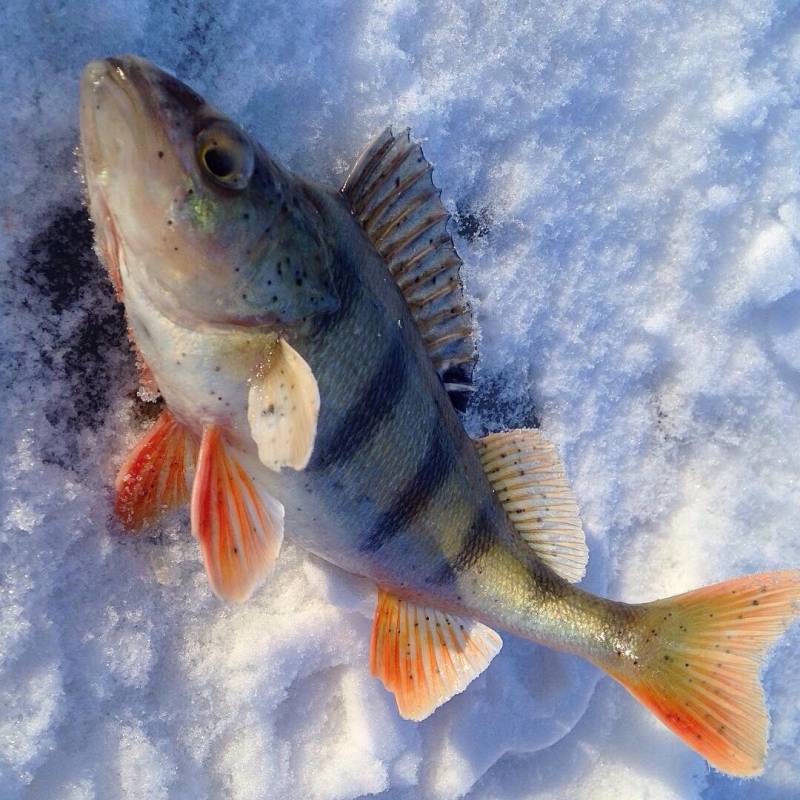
x=207, y=254
x=394, y=489
x=191, y=377
x=220, y=263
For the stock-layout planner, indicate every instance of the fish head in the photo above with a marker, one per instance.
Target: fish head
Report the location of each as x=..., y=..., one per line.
x=189, y=206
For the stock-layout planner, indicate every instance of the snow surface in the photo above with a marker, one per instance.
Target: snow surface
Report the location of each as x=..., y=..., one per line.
x=626, y=180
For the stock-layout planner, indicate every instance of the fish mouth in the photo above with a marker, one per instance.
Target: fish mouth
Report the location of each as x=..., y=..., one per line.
x=129, y=162
x=116, y=115
x=112, y=125
x=108, y=114
x=106, y=110
x=126, y=94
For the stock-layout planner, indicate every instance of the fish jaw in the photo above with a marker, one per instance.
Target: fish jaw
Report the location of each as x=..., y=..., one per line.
x=131, y=173
x=108, y=138
x=241, y=249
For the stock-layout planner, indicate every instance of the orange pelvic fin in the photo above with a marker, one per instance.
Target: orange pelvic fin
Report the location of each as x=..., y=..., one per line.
x=239, y=526
x=425, y=656
x=156, y=474
x=698, y=667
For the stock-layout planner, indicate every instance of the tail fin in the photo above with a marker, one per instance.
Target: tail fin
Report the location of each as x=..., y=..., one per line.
x=695, y=664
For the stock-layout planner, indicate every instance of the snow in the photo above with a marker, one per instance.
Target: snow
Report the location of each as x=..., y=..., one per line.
x=626, y=182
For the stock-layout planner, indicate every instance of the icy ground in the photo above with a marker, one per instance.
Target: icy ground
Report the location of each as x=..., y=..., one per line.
x=626, y=184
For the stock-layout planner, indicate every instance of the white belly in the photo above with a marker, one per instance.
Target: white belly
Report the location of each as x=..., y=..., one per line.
x=202, y=375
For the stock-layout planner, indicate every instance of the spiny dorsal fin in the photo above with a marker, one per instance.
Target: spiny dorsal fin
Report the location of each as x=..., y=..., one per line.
x=525, y=471
x=425, y=656
x=392, y=195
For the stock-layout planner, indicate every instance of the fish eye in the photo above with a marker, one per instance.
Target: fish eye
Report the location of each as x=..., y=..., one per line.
x=225, y=155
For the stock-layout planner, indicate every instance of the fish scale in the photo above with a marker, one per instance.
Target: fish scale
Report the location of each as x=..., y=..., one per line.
x=310, y=346
x=393, y=423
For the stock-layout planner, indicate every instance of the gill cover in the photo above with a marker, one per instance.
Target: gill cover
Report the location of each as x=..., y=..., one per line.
x=189, y=206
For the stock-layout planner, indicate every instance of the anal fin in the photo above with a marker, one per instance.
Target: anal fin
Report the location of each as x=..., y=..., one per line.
x=155, y=477
x=525, y=471
x=425, y=656
x=239, y=527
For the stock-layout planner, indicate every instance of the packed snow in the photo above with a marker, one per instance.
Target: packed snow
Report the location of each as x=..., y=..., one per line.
x=625, y=184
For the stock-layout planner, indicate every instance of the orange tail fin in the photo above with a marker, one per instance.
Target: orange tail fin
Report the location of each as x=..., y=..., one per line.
x=696, y=660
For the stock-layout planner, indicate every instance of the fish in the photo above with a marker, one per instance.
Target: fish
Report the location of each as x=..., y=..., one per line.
x=313, y=347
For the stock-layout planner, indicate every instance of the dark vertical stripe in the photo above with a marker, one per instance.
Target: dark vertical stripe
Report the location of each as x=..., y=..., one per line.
x=349, y=290
x=414, y=497
x=478, y=541
x=376, y=402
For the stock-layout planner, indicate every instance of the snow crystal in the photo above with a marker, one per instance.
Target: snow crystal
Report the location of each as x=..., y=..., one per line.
x=625, y=182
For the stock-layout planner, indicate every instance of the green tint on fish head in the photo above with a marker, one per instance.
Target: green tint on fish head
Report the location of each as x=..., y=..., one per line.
x=187, y=204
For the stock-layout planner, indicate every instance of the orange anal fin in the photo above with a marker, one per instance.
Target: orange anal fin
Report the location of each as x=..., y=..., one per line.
x=153, y=478
x=239, y=527
x=425, y=656
x=698, y=671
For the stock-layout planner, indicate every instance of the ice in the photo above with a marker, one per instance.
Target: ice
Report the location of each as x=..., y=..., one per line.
x=625, y=179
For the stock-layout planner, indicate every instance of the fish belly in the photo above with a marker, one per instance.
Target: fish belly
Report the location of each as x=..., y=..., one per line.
x=202, y=376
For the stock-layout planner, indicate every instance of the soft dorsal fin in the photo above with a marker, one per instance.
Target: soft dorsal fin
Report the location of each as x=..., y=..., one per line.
x=425, y=656
x=156, y=475
x=239, y=526
x=525, y=471
x=392, y=195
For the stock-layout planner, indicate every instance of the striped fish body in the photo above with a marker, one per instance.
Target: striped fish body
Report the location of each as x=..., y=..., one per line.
x=304, y=349
x=394, y=489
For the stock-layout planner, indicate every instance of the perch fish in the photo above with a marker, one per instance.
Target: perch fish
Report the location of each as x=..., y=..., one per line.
x=311, y=347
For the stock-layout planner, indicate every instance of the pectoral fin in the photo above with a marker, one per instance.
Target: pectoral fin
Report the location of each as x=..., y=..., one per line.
x=425, y=656
x=282, y=409
x=156, y=475
x=239, y=527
